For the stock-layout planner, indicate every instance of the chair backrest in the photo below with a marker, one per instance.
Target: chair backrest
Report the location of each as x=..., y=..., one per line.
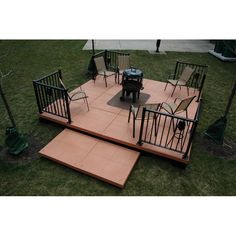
x=151, y=106
x=186, y=74
x=64, y=87
x=100, y=63
x=184, y=103
x=123, y=62
x=62, y=84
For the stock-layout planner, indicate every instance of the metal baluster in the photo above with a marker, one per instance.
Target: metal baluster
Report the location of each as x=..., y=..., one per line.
x=163, y=130
x=157, y=129
x=147, y=125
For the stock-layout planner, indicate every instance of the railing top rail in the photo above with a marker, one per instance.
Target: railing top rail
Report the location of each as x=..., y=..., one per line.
x=169, y=115
x=98, y=53
x=188, y=63
x=50, y=86
x=198, y=110
x=118, y=52
x=46, y=76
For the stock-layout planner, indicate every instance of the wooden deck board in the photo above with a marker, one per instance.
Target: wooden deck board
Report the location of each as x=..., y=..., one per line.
x=111, y=123
x=105, y=161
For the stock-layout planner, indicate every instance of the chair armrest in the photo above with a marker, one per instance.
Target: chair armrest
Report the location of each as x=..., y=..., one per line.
x=157, y=105
x=78, y=92
x=171, y=76
x=167, y=104
x=177, y=98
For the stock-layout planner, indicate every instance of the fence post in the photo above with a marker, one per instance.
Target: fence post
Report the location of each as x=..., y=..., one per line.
x=141, y=128
x=201, y=87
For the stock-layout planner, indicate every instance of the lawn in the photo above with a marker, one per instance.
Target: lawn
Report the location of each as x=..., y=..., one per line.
x=209, y=173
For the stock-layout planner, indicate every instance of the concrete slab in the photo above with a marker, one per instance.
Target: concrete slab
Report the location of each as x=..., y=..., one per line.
x=150, y=45
x=221, y=57
x=105, y=161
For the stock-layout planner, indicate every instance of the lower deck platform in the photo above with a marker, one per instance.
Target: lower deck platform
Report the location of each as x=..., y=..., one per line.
x=108, y=116
x=105, y=161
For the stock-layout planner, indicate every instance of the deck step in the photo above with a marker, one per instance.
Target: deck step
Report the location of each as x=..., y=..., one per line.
x=100, y=159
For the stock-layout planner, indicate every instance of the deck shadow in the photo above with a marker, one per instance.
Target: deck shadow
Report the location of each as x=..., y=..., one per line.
x=116, y=102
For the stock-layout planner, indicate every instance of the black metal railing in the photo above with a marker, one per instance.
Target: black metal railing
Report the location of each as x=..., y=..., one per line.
x=168, y=131
x=111, y=61
x=195, y=82
x=51, y=97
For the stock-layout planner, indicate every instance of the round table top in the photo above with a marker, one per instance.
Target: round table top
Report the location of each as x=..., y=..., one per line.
x=133, y=73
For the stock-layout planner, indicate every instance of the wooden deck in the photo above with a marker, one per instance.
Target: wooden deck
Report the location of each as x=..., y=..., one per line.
x=108, y=118
x=102, y=160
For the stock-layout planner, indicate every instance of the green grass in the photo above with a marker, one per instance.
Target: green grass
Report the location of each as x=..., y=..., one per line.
x=207, y=174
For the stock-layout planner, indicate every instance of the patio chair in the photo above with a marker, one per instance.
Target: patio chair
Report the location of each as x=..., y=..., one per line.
x=77, y=95
x=183, y=79
x=137, y=112
x=123, y=64
x=102, y=70
x=176, y=108
x=178, y=126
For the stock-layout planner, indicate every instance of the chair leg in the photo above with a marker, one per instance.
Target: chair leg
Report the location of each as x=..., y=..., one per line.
x=87, y=103
x=129, y=114
x=134, y=97
x=166, y=85
x=118, y=78
x=173, y=90
x=187, y=90
x=133, y=127
x=172, y=138
x=105, y=78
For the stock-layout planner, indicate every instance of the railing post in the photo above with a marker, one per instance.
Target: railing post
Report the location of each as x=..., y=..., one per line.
x=67, y=106
x=190, y=139
x=201, y=87
x=60, y=74
x=105, y=57
x=176, y=66
x=37, y=96
x=141, y=128
x=94, y=69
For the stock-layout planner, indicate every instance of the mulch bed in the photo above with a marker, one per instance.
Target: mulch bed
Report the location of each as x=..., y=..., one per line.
x=28, y=154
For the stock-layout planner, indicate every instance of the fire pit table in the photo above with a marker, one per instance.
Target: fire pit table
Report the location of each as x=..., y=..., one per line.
x=132, y=83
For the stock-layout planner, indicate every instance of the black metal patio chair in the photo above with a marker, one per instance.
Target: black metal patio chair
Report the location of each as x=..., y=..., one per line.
x=123, y=64
x=102, y=70
x=77, y=95
x=137, y=112
x=182, y=80
x=174, y=108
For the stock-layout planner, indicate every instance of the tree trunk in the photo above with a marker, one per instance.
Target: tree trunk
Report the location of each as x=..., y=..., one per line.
x=7, y=107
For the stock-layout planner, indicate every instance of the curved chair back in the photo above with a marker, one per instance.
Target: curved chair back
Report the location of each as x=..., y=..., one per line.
x=184, y=103
x=100, y=63
x=186, y=74
x=123, y=62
